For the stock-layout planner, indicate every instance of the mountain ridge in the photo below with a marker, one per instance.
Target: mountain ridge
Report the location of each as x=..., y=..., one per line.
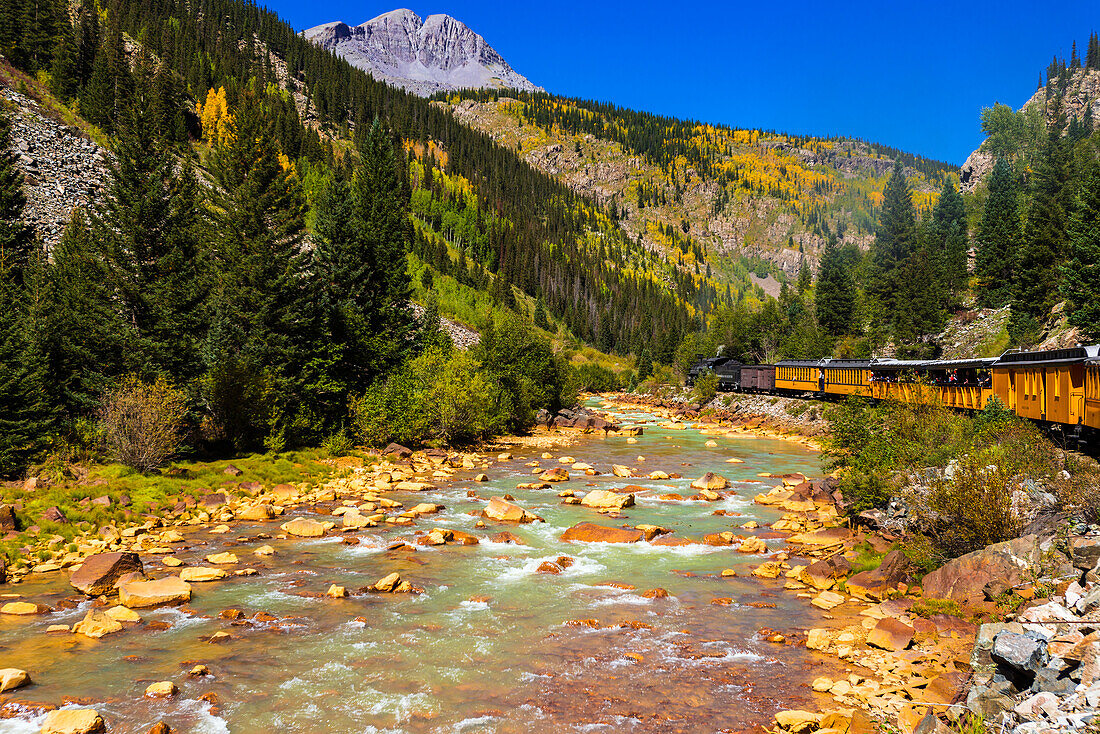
x=424, y=56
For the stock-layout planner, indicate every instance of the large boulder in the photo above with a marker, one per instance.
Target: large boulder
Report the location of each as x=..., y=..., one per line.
x=999, y=566
x=1024, y=653
x=99, y=573
x=875, y=585
x=304, y=528
x=712, y=481
x=8, y=520
x=603, y=500
x=12, y=678
x=168, y=590
x=96, y=625
x=502, y=510
x=72, y=721
x=200, y=574
x=587, y=532
x=891, y=634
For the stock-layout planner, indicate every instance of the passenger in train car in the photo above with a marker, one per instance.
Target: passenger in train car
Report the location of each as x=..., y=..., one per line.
x=985, y=378
x=821, y=380
x=953, y=378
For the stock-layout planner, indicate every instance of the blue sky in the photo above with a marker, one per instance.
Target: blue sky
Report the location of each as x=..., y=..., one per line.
x=913, y=75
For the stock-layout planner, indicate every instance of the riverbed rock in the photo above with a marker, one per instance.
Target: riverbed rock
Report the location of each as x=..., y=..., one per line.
x=255, y=513
x=876, y=584
x=622, y=471
x=160, y=689
x=998, y=566
x=604, y=500
x=96, y=625
x=120, y=613
x=391, y=584
x=752, y=544
x=586, y=532
x=100, y=573
x=264, y=550
x=22, y=608
x=502, y=510
x=72, y=721
x=336, y=592
x=891, y=634
x=797, y=721
x=711, y=481
x=12, y=678
x=168, y=590
x=768, y=570
x=222, y=559
x=304, y=528
x=557, y=474
x=507, y=537
x=202, y=574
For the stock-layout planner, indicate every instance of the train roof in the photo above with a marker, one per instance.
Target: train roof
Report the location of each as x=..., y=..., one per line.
x=802, y=363
x=959, y=364
x=1051, y=356
x=888, y=363
x=849, y=364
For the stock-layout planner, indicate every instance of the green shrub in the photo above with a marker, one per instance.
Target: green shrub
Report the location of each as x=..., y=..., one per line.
x=595, y=378
x=864, y=491
x=338, y=443
x=923, y=552
x=974, y=508
x=706, y=387
x=142, y=423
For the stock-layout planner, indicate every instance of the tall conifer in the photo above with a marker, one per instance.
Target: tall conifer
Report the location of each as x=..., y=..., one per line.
x=998, y=238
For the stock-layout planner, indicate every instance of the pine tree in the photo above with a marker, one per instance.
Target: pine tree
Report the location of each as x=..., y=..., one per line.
x=805, y=278
x=948, y=237
x=836, y=293
x=24, y=416
x=540, y=319
x=998, y=238
x=64, y=80
x=84, y=336
x=1081, y=271
x=1035, y=277
x=38, y=26
x=924, y=315
x=263, y=308
x=107, y=92
x=894, y=241
x=16, y=237
x=1092, y=54
x=146, y=226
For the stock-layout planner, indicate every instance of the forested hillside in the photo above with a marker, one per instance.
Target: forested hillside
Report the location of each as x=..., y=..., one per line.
x=728, y=194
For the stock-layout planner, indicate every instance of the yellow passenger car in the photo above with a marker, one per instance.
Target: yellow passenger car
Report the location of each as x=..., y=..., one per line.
x=848, y=377
x=1048, y=385
x=799, y=376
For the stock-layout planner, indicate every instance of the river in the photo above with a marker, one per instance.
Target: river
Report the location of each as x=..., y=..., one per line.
x=486, y=647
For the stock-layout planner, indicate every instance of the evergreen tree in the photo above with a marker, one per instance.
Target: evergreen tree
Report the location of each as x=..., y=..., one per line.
x=24, y=416
x=836, y=293
x=540, y=318
x=147, y=227
x=108, y=89
x=894, y=241
x=38, y=26
x=948, y=237
x=263, y=312
x=64, y=79
x=84, y=335
x=1081, y=271
x=1092, y=54
x=924, y=315
x=1035, y=277
x=998, y=238
x=16, y=237
x=645, y=365
x=805, y=278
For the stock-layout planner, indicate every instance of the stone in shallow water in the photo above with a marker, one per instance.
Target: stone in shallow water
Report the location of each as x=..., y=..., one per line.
x=12, y=678
x=72, y=721
x=99, y=573
x=168, y=590
x=591, y=533
x=890, y=634
x=201, y=574
x=161, y=689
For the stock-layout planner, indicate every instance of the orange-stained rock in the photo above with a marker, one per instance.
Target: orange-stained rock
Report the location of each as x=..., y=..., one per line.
x=587, y=532
x=548, y=567
x=711, y=481
x=502, y=510
x=890, y=634
x=657, y=593
x=99, y=573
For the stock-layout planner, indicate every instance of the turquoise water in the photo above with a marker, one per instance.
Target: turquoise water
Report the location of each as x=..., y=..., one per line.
x=485, y=648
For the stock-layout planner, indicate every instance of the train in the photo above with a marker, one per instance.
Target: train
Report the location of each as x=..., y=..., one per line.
x=1057, y=388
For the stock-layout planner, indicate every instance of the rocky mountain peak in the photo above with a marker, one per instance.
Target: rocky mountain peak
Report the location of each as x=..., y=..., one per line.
x=424, y=56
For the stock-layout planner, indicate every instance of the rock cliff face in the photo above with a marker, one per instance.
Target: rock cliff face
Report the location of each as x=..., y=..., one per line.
x=1081, y=96
x=425, y=56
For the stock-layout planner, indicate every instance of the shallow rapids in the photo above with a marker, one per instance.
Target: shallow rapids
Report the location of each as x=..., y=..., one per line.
x=486, y=647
